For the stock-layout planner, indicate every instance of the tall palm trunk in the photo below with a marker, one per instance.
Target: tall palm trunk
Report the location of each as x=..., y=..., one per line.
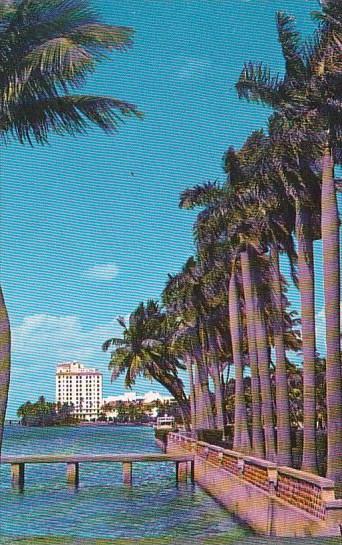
x=264, y=371
x=206, y=399
x=200, y=412
x=188, y=364
x=241, y=436
x=203, y=402
x=307, y=296
x=216, y=376
x=5, y=362
x=258, y=443
x=284, y=452
x=204, y=378
x=331, y=255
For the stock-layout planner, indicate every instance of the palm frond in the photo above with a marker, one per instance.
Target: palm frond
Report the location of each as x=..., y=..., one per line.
x=289, y=40
x=99, y=36
x=200, y=195
x=121, y=321
x=58, y=14
x=114, y=341
x=118, y=362
x=151, y=344
x=33, y=121
x=256, y=84
x=60, y=57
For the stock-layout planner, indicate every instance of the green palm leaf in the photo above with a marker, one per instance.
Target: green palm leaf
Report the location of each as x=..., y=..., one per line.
x=200, y=195
x=257, y=85
x=289, y=40
x=34, y=120
x=95, y=35
x=113, y=342
x=61, y=57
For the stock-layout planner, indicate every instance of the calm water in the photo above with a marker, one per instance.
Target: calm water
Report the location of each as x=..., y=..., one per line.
x=102, y=506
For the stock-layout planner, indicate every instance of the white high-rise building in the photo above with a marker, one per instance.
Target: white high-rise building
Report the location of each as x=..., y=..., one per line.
x=81, y=387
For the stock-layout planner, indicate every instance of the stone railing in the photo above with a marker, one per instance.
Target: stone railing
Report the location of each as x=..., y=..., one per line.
x=305, y=490
x=183, y=441
x=260, y=473
x=310, y=493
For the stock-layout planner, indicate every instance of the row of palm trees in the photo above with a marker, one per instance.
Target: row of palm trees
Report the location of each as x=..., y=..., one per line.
x=47, y=49
x=307, y=126
x=228, y=306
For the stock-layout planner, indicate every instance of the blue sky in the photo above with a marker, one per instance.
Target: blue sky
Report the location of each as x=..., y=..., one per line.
x=84, y=240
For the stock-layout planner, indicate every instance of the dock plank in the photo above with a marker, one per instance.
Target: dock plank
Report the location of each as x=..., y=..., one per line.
x=96, y=458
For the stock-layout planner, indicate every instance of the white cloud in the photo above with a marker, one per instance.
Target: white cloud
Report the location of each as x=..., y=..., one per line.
x=193, y=67
x=40, y=341
x=105, y=272
x=58, y=338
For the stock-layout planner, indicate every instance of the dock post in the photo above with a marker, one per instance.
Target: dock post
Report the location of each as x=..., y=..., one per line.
x=192, y=471
x=73, y=473
x=127, y=473
x=181, y=471
x=18, y=476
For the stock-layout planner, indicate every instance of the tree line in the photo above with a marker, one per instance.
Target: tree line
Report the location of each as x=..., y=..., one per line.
x=45, y=413
x=229, y=306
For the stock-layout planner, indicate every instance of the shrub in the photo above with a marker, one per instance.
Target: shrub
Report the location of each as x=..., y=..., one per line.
x=161, y=435
x=214, y=437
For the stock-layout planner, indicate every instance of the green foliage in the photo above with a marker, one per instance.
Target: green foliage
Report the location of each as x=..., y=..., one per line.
x=308, y=94
x=131, y=413
x=44, y=413
x=214, y=437
x=47, y=50
x=144, y=350
x=161, y=435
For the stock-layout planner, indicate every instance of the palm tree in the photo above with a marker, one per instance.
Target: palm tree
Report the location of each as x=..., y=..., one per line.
x=275, y=216
x=284, y=451
x=185, y=296
x=309, y=97
x=46, y=51
x=253, y=222
x=258, y=440
x=189, y=368
x=241, y=434
x=144, y=351
x=329, y=74
x=256, y=84
x=247, y=244
x=217, y=199
x=198, y=298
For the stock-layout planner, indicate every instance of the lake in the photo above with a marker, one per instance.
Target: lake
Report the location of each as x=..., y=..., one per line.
x=155, y=507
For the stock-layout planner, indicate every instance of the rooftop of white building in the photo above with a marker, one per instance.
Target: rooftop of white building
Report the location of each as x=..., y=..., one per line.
x=75, y=367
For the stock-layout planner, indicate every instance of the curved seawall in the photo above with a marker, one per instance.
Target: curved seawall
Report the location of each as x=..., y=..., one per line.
x=273, y=501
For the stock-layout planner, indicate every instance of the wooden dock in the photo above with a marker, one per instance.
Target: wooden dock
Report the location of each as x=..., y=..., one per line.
x=184, y=464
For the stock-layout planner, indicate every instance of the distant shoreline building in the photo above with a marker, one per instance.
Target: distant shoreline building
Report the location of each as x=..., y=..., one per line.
x=148, y=402
x=133, y=397
x=81, y=387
